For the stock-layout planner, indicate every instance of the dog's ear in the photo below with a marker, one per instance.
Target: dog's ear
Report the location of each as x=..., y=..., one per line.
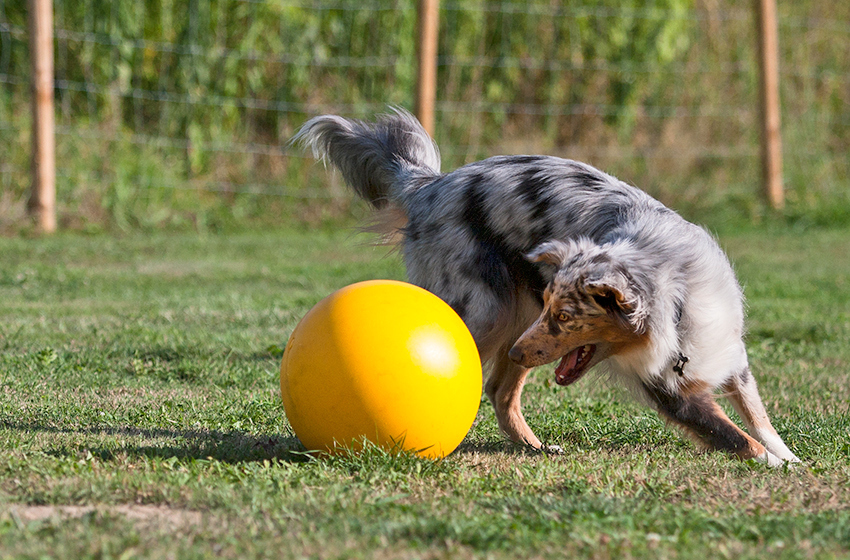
x=616, y=293
x=555, y=253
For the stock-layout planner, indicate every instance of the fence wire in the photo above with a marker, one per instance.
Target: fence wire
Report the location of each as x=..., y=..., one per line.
x=170, y=108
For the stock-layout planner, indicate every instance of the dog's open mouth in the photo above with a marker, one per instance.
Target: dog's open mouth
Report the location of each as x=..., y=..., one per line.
x=574, y=364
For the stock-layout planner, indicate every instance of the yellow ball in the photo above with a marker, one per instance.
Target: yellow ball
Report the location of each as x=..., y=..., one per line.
x=385, y=361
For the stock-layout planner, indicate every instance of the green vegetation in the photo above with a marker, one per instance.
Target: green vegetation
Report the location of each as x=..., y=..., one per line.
x=140, y=417
x=174, y=114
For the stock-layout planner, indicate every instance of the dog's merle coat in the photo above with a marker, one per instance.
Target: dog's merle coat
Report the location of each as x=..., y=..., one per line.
x=547, y=258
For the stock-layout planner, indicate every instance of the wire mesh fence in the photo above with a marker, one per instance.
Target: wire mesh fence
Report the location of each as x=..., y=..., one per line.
x=178, y=111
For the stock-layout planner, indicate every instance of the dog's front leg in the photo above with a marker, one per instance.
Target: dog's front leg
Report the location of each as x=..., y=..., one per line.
x=504, y=388
x=704, y=420
x=743, y=393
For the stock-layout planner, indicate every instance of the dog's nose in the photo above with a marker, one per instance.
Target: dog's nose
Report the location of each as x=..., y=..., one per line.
x=516, y=355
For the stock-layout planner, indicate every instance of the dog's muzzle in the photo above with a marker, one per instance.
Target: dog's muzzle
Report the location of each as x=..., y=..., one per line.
x=571, y=367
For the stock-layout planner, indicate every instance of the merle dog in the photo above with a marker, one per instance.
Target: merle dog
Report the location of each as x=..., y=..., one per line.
x=550, y=259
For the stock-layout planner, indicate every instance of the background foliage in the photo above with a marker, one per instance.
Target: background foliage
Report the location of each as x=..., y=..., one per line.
x=175, y=113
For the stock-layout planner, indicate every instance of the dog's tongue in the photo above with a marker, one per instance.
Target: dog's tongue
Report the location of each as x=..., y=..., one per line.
x=569, y=369
x=565, y=370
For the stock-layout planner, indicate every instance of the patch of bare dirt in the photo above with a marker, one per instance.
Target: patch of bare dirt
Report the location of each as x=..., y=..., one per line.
x=147, y=515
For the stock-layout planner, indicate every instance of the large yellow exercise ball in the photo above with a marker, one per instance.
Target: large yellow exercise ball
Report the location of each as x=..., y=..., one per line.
x=383, y=361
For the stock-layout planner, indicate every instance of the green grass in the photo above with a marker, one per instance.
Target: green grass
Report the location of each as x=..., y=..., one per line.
x=140, y=416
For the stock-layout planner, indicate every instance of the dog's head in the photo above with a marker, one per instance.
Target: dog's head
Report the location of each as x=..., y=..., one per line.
x=592, y=309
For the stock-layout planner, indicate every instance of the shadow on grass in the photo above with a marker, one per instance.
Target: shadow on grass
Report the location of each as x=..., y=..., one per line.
x=230, y=447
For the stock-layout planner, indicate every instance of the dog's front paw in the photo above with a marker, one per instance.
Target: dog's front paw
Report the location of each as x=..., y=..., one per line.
x=552, y=450
x=793, y=461
x=769, y=459
x=773, y=461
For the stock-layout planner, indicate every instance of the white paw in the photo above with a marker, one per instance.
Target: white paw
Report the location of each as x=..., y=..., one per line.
x=774, y=444
x=553, y=449
x=773, y=461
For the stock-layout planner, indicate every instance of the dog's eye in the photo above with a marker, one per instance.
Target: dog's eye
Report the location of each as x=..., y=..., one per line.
x=563, y=316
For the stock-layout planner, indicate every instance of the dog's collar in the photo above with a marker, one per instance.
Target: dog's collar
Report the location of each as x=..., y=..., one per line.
x=679, y=366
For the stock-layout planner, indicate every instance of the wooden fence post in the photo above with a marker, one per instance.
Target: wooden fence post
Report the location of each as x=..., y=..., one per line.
x=771, y=138
x=426, y=87
x=42, y=201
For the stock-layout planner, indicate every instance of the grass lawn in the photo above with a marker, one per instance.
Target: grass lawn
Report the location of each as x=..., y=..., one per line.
x=140, y=416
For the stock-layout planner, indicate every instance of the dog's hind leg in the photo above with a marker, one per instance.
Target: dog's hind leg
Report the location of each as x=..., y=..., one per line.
x=744, y=396
x=704, y=420
x=504, y=388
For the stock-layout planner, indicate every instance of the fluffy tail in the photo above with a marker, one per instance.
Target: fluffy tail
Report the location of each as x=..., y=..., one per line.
x=378, y=160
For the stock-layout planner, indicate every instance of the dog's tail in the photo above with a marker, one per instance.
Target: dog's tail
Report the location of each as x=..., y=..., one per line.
x=379, y=160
